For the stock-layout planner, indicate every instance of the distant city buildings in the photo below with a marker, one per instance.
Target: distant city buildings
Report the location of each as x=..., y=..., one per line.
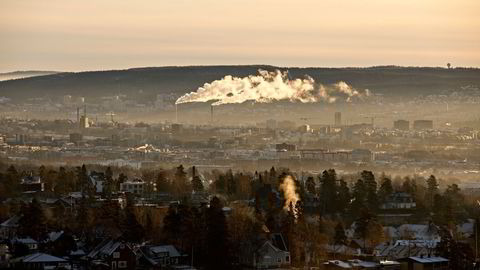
x=422, y=124
x=338, y=119
x=401, y=125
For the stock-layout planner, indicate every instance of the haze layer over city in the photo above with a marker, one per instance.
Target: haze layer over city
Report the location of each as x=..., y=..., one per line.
x=239, y=134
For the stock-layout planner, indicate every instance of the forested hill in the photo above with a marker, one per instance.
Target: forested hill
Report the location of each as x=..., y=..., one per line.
x=387, y=80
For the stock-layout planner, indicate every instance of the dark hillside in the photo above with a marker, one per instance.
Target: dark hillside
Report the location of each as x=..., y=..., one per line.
x=390, y=80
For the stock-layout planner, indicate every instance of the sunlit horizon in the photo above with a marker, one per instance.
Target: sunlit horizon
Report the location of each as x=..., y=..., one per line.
x=90, y=35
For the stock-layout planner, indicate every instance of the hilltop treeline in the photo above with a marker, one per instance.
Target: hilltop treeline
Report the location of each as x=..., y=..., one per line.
x=148, y=82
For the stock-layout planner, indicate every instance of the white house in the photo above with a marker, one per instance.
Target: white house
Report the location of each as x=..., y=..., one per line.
x=136, y=186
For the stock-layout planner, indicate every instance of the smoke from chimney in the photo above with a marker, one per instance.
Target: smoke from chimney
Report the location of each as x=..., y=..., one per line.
x=290, y=193
x=271, y=86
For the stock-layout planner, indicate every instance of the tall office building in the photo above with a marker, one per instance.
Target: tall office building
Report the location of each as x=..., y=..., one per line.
x=338, y=119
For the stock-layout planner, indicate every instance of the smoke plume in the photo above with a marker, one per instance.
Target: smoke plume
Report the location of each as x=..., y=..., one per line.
x=271, y=86
x=290, y=193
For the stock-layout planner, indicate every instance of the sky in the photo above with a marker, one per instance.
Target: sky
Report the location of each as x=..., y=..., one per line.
x=65, y=35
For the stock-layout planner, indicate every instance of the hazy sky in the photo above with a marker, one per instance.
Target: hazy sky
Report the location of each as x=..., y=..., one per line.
x=110, y=34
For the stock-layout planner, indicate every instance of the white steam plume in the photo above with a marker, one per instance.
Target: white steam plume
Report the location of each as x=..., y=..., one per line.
x=290, y=193
x=268, y=87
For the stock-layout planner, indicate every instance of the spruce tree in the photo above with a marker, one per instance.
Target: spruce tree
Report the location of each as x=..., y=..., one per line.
x=217, y=236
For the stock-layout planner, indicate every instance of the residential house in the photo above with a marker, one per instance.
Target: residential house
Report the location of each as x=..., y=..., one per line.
x=32, y=184
x=399, y=200
x=97, y=180
x=38, y=261
x=29, y=242
x=271, y=253
x=360, y=264
x=115, y=253
x=424, y=263
x=136, y=186
x=159, y=257
x=397, y=208
x=8, y=228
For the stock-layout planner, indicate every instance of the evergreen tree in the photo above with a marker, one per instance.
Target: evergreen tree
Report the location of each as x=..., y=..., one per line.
x=343, y=196
x=385, y=189
x=161, y=183
x=132, y=229
x=149, y=230
x=186, y=227
x=369, y=229
x=82, y=219
x=217, y=237
x=197, y=184
x=231, y=183
x=122, y=178
x=33, y=221
x=273, y=177
x=358, y=198
x=310, y=185
x=109, y=216
x=63, y=185
x=181, y=184
x=83, y=182
x=12, y=182
x=108, y=185
x=340, y=238
x=371, y=189
x=221, y=184
x=328, y=191
x=171, y=226
x=432, y=190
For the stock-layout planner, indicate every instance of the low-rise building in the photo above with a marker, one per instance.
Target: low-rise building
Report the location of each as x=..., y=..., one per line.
x=116, y=253
x=159, y=256
x=424, y=263
x=32, y=183
x=136, y=186
x=39, y=261
x=399, y=200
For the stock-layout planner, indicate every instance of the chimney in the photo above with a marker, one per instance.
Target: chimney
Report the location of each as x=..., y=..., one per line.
x=85, y=110
x=78, y=114
x=193, y=172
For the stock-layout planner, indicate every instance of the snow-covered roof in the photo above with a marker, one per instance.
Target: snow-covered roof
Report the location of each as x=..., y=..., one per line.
x=363, y=264
x=429, y=259
x=11, y=222
x=39, y=258
x=53, y=236
x=171, y=250
x=78, y=252
x=26, y=241
x=338, y=263
x=107, y=247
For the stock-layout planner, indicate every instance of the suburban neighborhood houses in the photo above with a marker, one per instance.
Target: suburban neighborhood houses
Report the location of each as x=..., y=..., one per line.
x=190, y=218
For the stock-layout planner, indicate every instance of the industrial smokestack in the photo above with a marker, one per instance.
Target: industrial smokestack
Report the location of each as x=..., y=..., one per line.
x=211, y=114
x=78, y=115
x=176, y=113
x=85, y=110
